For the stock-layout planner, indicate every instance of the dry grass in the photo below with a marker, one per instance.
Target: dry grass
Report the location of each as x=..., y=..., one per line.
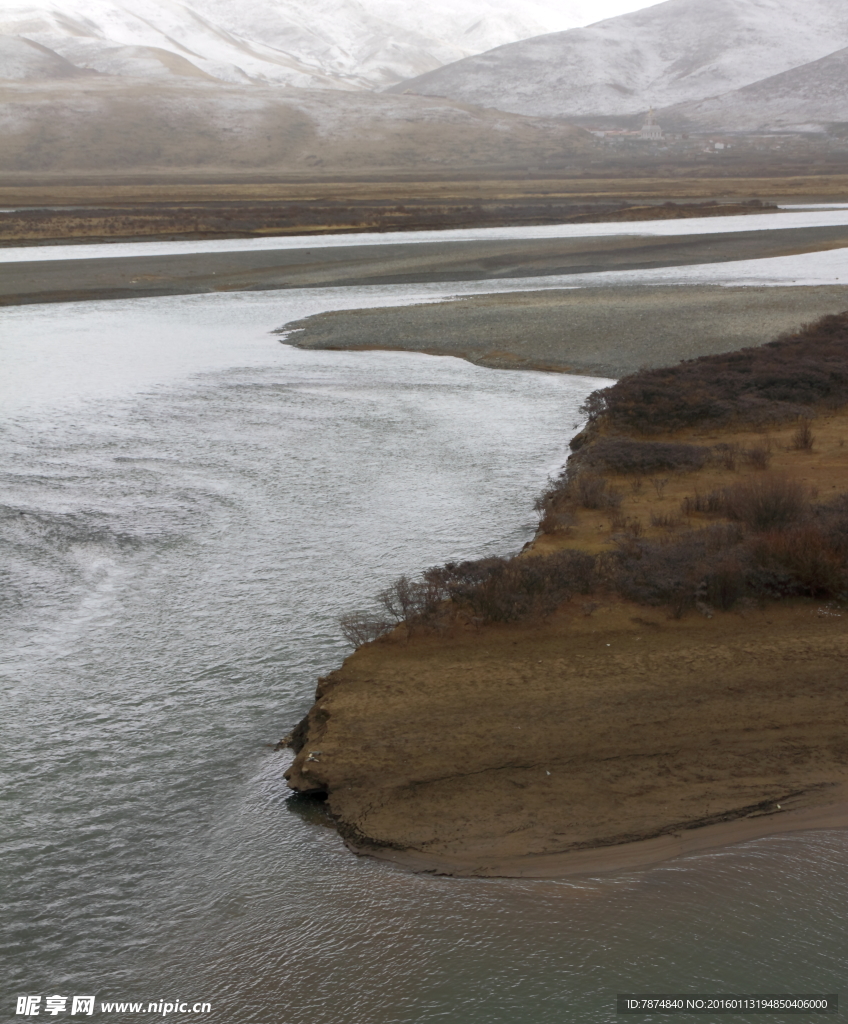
x=220, y=185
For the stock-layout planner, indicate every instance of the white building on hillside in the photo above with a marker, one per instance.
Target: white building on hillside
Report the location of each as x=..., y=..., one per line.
x=650, y=129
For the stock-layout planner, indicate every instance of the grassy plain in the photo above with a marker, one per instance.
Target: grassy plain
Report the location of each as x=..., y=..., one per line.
x=194, y=186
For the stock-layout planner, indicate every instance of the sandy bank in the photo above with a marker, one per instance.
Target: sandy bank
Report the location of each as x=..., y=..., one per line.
x=391, y=263
x=604, y=332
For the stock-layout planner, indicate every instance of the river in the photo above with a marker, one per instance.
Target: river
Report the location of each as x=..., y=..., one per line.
x=188, y=507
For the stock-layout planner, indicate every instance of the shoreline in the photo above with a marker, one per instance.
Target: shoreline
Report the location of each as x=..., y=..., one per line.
x=642, y=853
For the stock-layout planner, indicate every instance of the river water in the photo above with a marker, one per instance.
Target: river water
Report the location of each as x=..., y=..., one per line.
x=188, y=506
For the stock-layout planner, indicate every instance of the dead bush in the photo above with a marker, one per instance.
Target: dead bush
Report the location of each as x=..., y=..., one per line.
x=779, y=545
x=509, y=590
x=784, y=379
x=726, y=582
x=665, y=520
x=360, y=628
x=408, y=600
x=759, y=455
x=708, y=565
x=810, y=558
x=594, y=492
x=802, y=438
x=622, y=455
x=709, y=504
x=727, y=455
x=633, y=527
x=773, y=503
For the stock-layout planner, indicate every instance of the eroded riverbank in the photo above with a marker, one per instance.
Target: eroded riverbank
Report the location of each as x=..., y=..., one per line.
x=589, y=743
x=664, y=670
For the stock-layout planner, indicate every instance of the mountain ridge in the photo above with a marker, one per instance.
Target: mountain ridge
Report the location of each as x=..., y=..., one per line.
x=675, y=52
x=341, y=44
x=801, y=99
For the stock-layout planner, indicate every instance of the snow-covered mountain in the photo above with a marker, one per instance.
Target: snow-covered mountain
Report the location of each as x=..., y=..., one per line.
x=802, y=99
x=348, y=44
x=675, y=52
x=22, y=59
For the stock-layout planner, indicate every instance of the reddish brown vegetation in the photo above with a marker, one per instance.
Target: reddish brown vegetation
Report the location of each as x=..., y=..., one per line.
x=787, y=378
x=782, y=545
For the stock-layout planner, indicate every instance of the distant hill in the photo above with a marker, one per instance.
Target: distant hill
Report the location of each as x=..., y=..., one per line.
x=22, y=60
x=803, y=98
x=680, y=51
x=106, y=126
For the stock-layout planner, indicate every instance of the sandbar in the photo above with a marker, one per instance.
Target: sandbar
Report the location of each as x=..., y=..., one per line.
x=398, y=262
x=600, y=331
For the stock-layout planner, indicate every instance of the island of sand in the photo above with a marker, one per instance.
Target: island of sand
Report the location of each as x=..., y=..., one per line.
x=664, y=669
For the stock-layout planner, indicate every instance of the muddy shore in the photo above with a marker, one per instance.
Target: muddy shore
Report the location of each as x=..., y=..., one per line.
x=390, y=263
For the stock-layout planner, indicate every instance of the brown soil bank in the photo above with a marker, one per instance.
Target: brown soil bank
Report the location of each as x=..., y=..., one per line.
x=667, y=669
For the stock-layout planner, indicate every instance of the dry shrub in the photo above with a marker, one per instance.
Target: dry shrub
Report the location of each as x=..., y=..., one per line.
x=360, y=628
x=780, y=545
x=618, y=521
x=759, y=455
x=665, y=520
x=708, y=565
x=803, y=439
x=569, y=490
x=727, y=455
x=778, y=381
x=621, y=455
x=814, y=563
x=408, y=600
x=509, y=590
x=725, y=582
x=591, y=491
x=633, y=527
x=772, y=503
x=710, y=504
